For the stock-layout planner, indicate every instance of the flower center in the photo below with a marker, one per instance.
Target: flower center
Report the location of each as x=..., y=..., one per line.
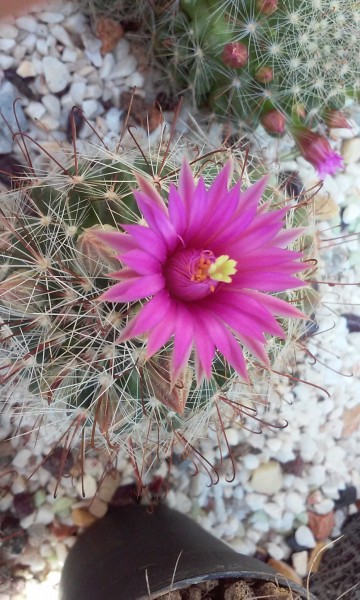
x=193, y=274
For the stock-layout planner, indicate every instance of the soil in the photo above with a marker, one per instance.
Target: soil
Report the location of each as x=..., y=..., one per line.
x=230, y=589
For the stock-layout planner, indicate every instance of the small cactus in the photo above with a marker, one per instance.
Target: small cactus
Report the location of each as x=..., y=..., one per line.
x=269, y=61
x=60, y=344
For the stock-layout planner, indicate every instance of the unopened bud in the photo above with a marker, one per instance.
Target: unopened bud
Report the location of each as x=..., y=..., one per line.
x=264, y=75
x=267, y=7
x=235, y=55
x=97, y=257
x=336, y=119
x=299, y=111
x=274, y=122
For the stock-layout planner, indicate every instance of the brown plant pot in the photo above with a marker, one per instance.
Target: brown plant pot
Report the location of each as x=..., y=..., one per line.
x=131, y=551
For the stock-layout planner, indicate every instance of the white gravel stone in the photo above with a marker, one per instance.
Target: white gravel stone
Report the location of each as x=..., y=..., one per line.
x=6, y=44
x=90, y=486
x=295, y=503
x=324, y=507
x=304, y=537
x=91, y=108
x=275, y=551
x=52, y=105
x=27, y=23
x=251, y=461
x=300, y=562
x=22, y=458
x=35, y=110
x=44, y=515
x=124, y=68
x=56, y=74
x=267, y=478
x=51, y=17
x=26, y=69
x=108, y=66
x=77, y=91
x=69, y=55
x=29, y=43
x=62, y=36
x=351, y=150
x=7, y=30
x=6, y=62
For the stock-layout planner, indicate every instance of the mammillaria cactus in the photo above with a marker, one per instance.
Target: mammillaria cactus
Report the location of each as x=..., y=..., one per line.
x=80, y=350
x=276, y=62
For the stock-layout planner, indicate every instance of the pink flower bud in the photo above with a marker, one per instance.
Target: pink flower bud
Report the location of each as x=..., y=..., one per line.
x=317, y=150
x=274, y=122
x=267, y=7
x=235, y=55
x=264, y=75
x=336, y=118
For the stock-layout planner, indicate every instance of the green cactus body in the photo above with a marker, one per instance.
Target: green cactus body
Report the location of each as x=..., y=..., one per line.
x=61, y=342
x=308, y=49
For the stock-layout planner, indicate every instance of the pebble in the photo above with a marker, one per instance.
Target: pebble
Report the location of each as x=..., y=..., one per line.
x=56, y=73
x=350, y=150
x=324, y=507
x=35, y=110
x=6, y=44
x=91, y=108
x=23, y=455
x=8, y=31
x=87, y=485
x=267, y=478
x=51, y=17
x=300, y=563
x=82, y=517
x=44, y=515
x=27, y=23
x=304, y=537
x=77, y=91
x=62, y=36
x=52, y=105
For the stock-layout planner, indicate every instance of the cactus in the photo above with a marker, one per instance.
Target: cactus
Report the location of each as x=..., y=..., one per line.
x=282, y=63
x=62, y=366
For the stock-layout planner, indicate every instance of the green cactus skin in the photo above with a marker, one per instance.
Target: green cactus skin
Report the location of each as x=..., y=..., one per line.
x=311, y=47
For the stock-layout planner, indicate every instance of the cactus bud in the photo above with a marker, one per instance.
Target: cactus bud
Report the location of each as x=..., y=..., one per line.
x=336, y=119
x=267, y=7
x=235, y=55
x=264, y=75
x=274, y=122
x=96, y=256
x=317, y=150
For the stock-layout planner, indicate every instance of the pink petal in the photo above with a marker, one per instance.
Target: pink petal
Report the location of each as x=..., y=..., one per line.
x=150, y=191
x=219, y=187
x=266, y=281
x=204, y=347
x=115, y=239
x=161, y=334
x=152, y=313
x=134, y=289
x=252, y=195
x=177, y=210
x=141, y=262
x=227, y=345
x=157, y=220
x=183, y=340
x=277, y=306
x=148, y=240
x=186, y=184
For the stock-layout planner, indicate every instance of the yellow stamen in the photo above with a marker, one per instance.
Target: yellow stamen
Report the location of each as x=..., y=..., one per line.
x=222, y=268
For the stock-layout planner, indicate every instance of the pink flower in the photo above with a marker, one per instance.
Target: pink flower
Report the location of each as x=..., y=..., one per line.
x=204, y=266
x=317, y=150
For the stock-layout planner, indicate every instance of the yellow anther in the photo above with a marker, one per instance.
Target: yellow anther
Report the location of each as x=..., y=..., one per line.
x=222, y=268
